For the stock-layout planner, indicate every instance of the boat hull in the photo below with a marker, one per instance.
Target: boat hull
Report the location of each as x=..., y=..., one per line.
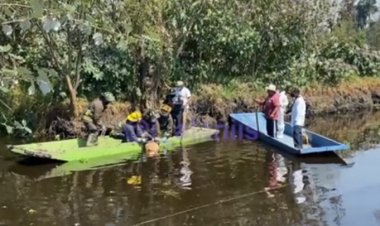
x=318, y=143
x=75, y=149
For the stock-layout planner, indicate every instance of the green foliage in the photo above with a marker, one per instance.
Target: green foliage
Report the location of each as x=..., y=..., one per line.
x=69, y=48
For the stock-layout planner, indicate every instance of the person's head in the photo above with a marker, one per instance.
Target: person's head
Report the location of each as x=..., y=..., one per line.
x=180, y=84
x=271, y=90
x=165, y=110
x=150, y=115
x=134, y=117
x=107, y=98
x=295, y=93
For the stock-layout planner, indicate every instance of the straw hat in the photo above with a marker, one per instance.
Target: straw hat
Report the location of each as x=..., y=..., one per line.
x=179, y=83
x=166, y=109
x=271, y=87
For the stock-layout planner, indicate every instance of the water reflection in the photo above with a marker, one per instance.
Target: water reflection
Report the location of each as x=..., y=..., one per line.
x=222, y=183
x=185, y=180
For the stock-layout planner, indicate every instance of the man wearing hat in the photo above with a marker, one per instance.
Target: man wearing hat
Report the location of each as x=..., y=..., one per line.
x=165, y=121
x=132, y=129
x=271, y=110
x=180, y=106
x=93, y=114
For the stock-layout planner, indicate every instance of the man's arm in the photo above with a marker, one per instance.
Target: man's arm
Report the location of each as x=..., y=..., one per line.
x=259, y=102
x=302, y=108
x=187, y=97
x=276, y=104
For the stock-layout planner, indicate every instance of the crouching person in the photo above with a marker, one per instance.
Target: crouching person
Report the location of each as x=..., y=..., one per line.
x=133, y=131
x=91, y=117
x=165, y=121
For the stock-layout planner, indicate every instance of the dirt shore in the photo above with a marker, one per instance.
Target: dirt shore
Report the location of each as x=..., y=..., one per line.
x=212, y=104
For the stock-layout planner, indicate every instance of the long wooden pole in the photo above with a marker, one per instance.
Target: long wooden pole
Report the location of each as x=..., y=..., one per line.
x=257, y=121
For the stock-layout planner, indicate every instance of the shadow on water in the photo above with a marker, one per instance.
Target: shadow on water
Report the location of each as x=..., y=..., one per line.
x=33, y=168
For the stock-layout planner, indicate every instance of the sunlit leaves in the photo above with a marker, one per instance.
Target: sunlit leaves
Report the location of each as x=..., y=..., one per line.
x=4, y=49
x=32, y=89
x=37, y=7
x=91, y=69
x=7, y=29
x=44, y=82
x=98, y=38
x=25, y=25
x=51, y=24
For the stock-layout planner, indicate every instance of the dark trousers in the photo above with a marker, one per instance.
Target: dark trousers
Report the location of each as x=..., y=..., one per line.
x=177, y=114
x=271, y=127
x=297, y=137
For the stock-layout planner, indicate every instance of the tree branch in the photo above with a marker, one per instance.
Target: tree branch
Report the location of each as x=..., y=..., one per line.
x=184, y=37
x=51, y=50
x=6, y=105
x=17, y=5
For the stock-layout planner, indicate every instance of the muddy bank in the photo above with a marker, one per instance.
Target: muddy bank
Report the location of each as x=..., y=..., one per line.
x=212, y=104
x=348, y=97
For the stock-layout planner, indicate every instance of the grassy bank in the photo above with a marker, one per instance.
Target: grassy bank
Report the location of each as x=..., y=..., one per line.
x=352, y=95
x=210, y=104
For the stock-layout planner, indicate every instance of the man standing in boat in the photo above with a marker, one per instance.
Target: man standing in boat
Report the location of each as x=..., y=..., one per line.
x=281, y=118
x=298, y=114
x=93, y=114
x=271, y=110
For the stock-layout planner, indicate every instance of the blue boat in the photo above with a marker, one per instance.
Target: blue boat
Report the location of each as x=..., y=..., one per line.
x=317, y=142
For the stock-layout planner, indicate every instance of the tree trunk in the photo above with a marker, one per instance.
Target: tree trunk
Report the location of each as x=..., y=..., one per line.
x=73, y=96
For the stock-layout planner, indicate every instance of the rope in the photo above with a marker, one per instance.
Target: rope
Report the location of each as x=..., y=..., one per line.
x=207, y=205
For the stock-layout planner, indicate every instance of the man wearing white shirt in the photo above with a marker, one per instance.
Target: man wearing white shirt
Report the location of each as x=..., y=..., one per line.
x=180, y=106
x=298, y=114
x=281, y=122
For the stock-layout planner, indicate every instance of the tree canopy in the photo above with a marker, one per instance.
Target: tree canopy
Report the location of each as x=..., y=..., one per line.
x=136, y=48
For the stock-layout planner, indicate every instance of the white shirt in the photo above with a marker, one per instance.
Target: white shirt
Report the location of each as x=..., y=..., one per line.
x=183, y=94
x=283, y=100
x=298, y=112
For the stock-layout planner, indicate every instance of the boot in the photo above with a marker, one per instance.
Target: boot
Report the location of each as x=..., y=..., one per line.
x=92, y=140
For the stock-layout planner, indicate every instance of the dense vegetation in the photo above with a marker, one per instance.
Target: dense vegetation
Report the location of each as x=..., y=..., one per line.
x=57, y=49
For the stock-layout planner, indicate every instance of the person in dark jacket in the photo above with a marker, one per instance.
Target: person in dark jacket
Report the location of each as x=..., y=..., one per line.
x=150, y=123
x=132, y=129
x=165, y=121
x=93, y=114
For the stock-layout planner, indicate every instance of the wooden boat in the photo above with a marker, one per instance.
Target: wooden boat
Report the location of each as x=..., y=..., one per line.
x=75, y=149
x=317, y=142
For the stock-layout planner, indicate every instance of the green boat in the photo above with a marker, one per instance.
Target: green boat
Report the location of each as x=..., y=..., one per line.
x=108, y=147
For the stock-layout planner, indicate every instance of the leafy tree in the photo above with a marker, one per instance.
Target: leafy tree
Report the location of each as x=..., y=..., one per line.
x=58, y=36
x=364, y=10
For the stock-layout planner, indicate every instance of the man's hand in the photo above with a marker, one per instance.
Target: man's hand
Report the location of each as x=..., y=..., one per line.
x=258, y=101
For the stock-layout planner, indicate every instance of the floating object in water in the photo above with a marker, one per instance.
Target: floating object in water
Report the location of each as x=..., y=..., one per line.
x=152, y=149
x=134, y=180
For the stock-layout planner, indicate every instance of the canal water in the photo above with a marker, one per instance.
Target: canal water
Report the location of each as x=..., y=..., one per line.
x=216, y=183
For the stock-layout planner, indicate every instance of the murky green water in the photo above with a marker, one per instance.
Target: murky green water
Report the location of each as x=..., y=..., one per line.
x=221, y=183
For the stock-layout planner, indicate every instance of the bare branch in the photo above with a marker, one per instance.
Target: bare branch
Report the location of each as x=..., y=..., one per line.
x=5, y=105
x=15, y=5
x=16, y=21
